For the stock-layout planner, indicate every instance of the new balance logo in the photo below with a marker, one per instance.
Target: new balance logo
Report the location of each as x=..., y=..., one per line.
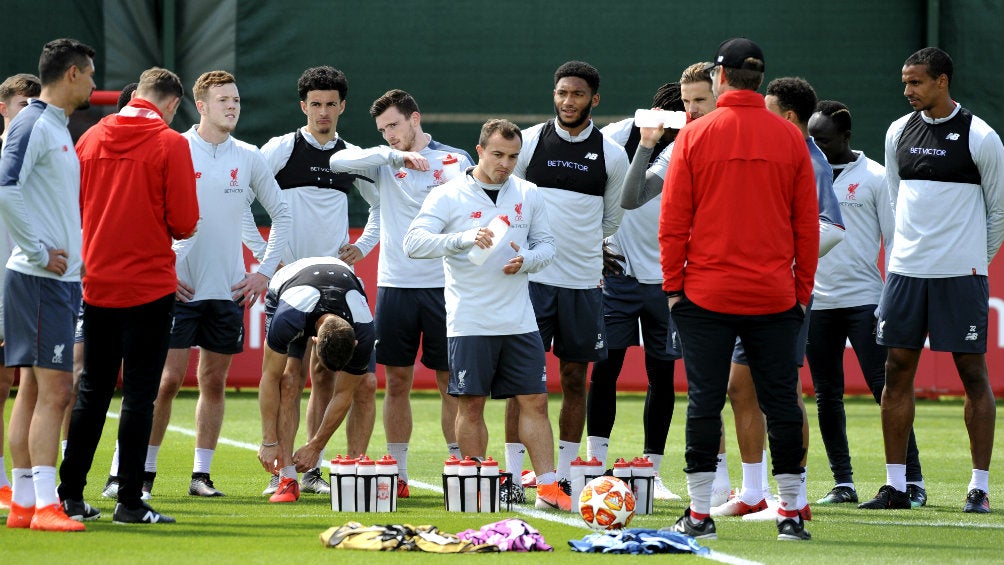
x=151, y=517
x=972, y=335
x=952, y=137
x=592, y=156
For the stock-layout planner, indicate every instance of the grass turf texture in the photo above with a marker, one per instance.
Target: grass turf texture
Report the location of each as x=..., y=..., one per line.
x=243, y=528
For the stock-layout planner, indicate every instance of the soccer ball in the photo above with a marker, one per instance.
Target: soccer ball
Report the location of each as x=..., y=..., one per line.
x=606, y=503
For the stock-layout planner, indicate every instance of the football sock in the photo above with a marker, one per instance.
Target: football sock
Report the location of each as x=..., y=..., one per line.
x=895, y=475
x=803, y=497
x=597, y=447
x=44, y=478
x=203, y=460
x=399, y=451
x=656, y=459
x=514, y=455
x=722, y=473
x=114, y=470
x=3, y=473
x=320, y=460
x=288, y=472
x=62, y=448
x=787, y=491
x=23, y=488
x=567, y=452
x=454, y=449
x=751, y=492
x=699, y=488
x=765, y=475
x=980, y=480
x=151, y=458
x=547, y=478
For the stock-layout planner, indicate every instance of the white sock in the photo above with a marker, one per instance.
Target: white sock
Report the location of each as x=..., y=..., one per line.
x=203, y=460
x=44, y=478
x=980, y=480
x=454, y=449
x=764, y=475
x=656, y=459
x=547, y=478
x=514, y=455
x=722, y=474
x=151, y=458
x=699, y=488
x=803, y=498
x=3, y=473
x=787, y=493
x=848, y=485
x=752, y=492
x=597, y=447
x=567, y=452
x=288, y=472
x=114, y=470
x=399, y=451
x=320, y=460
x=895, y=475
x=23, y=488
x=919, y=483
x=62, y=448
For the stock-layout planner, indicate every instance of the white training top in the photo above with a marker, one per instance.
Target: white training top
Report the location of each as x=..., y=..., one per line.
x=579, y=222
x=228, y=178
x=636, y=239
x=40, y=191
x=947, y=229
x=481, y=299
x=322, y=214
x=397, y=200
x=849, y=275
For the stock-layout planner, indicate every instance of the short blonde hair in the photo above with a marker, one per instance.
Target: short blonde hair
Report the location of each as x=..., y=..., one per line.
x=209, y=80
x=23, y=84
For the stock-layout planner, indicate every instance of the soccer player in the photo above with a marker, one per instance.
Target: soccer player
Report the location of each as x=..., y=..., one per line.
x=39, y=202
x=320, y=299
x=14, y=94
x=410, y=303
x=580, y=173
x=212, y=283
x=846, y=295
x=723, y=282
x=945, y=170
x=494, y=351
x=137, y=192
x=318, y=200
x=632, y=295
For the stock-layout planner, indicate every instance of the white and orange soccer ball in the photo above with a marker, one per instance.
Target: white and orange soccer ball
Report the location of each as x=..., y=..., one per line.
x=606, y=503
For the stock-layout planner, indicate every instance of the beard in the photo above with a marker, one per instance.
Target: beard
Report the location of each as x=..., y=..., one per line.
x=574, y=124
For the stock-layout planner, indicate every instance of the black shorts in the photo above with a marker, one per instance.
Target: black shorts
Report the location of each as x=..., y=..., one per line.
x=572, y=319
x=407, y=317
x=953, y=311
x=502, y=366
x=214, y=325
x=628, y=305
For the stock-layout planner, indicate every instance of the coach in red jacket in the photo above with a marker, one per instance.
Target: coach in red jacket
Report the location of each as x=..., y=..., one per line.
x=739, y=237
x=137, y=192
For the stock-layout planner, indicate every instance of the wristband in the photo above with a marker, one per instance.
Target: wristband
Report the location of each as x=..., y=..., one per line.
x=273, y=444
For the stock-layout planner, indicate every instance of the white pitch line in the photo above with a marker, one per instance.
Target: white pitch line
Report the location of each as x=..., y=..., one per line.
x=931, y=524
x=526, y=511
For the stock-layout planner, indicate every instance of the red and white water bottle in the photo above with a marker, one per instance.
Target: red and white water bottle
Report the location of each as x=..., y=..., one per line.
x=499, y=225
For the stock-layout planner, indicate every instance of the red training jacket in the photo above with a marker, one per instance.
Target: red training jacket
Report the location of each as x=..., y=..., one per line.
x=137, y=192
x=739, y=227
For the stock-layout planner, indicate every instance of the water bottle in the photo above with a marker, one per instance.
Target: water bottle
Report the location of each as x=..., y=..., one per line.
x=386, y=468
x=578, y=478
x=366, y=491
x=622, y=470
x=347, y=490
x=655, y=118
x=498, y=226
x=451, y=167
x=593, y=469
x=488, y=489
x=642, y=481
x=468, y=473
x=451, y=484
x=336, y=464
